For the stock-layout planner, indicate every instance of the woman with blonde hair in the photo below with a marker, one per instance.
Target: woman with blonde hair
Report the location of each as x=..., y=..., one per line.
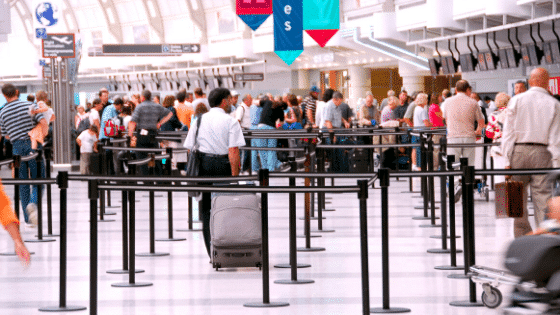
x=494, y=131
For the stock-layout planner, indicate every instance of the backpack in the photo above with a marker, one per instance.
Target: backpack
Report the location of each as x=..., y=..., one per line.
x=83, y=125
x=113, y=127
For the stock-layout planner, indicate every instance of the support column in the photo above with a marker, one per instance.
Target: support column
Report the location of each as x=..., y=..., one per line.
x=358, y=85
x=413, y=78
x=303, y=79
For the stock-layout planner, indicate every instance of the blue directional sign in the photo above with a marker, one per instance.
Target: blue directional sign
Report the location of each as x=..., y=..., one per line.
x=41, y=33
x=42, y=62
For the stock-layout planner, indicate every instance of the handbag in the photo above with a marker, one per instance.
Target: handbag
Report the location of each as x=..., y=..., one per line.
x=509, y=199
x=193, y=160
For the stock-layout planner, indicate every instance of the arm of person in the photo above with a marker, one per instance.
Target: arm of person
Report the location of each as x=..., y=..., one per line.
x=346, y=123
x=41, y=108
x=408, y=122
x=290, y=117
x=427, y=123
x=95, y=146
x=481, y=126
x=234, y=160
x=554, y=139
x=97, y=123
x=20, y=249
x=79, y=141
x=164, y=119
x=310, y=118
x=328, y=124
x=131, y=129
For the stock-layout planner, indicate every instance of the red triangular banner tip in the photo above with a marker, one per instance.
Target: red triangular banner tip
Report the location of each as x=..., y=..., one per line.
x=322, y=37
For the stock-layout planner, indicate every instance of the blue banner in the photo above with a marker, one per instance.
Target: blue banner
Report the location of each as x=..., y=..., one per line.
x=288, y=29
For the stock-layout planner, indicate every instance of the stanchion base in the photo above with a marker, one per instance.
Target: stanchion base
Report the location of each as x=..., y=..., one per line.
x=134, y=200
x=108, y=213
x=171, y=239
x=442, y=251
x=421, y=218
x=45, y=240
x=193, y=230
x=152, y=254
x=311, y=218
x=449, y=267
x=131, y=285
x=104, y=220
x=111, y=206
x=148, y=196
x=418, y=197
x=312, y=236
x=50, y=235
x=311, y=249
x=322, y=231
x=459, y=276
x=123, y=272
x=271, y=304
x=286, y=266
x=410, y=192
x=68, y=308
x=439, y=236
x=466, y=304
x=329, y=210
x=422, y=207
x=299, y=281
x=14, y=254
x=392, y=310
x=430, y=225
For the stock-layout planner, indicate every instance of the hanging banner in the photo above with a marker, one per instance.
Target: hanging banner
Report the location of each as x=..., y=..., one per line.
x=321, y=19
x=288, y=29
x=253, y=12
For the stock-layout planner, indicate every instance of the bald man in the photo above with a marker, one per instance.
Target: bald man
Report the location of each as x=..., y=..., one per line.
x=531, y=139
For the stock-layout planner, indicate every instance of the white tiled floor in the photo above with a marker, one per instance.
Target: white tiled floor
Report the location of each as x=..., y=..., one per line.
x=185, y=283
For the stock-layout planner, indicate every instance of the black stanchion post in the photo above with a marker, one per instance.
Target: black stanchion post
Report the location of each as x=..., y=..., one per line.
x=40, y=238
x=423, y=182
x=17, y=165
x=384, y=181
x=263, y=179
x=170, y=238
x=468, y=213
x=48, y=157
x=62, y=181
x=93, y=196
x=132, y=241
x=152, y=214
x=428, y=159
x=363, y=196
x=320, y=198
x=109, y=162
x=452, y=235
x=293, y=265
x=250, y=152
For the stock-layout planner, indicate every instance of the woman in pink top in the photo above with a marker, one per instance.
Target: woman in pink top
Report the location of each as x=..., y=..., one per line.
x=435, y=114
x=436, y=119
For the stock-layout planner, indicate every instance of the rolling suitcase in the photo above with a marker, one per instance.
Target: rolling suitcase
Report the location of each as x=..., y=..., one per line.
x=235, y=231
x=509, y=199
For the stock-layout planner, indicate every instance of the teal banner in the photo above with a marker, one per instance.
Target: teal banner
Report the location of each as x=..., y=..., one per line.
x=321, y=15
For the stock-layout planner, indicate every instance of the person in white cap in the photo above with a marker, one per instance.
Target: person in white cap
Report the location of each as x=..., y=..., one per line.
x=234, y=101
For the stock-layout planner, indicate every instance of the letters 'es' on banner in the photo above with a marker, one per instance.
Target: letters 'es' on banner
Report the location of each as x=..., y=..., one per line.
x=254, y=12
x=321, y=19
x=288, y=29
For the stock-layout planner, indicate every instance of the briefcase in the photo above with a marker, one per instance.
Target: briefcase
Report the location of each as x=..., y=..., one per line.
x=509, y=199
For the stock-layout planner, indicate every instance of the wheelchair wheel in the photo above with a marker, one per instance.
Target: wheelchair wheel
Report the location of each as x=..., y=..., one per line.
x=493, y=299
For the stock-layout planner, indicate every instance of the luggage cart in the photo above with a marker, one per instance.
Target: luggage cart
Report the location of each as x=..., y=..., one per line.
x=490, y=279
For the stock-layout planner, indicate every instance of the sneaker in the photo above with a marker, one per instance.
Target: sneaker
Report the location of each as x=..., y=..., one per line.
x=285, y=167
x=32, y=213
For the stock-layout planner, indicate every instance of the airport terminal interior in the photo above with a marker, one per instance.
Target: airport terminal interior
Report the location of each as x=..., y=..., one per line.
x=382, y=257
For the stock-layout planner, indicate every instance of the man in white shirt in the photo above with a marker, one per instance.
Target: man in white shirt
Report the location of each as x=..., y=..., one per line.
x=199, y=98
x=97, y=107
x=219, y=139
x=243, y=116
x=531, y=139
x=420, y=119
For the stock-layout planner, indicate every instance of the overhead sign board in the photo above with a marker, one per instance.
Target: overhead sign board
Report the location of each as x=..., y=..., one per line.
x=59, y=45
x=47, y=71
x=150, y=49
x=249, y=77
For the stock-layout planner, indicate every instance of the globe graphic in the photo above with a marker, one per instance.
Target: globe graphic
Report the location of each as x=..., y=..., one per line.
x=46, y=14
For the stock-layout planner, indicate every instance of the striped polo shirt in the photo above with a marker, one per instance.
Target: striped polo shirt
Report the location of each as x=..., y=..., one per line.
x=15, y=121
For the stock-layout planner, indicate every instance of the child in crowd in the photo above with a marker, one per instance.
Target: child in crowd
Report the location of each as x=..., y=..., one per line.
x=87, y=141
x=40, y=131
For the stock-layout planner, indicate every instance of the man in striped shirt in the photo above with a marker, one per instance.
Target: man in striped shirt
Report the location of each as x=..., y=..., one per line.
x=15, y=123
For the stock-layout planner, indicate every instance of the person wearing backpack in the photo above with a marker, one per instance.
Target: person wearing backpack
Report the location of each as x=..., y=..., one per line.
x=110, y=124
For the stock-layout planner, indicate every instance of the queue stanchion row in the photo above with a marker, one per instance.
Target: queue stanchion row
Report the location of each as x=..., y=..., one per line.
x=443, y=197
x=103, y=170
x=38, y=157
x=468, y=215
x=423, y=182
x=309, y=207
x=48, y=157
x=464, y=164
x=384, y=181
x=151, y=193
x=132, y=271
x=264, y=182
x=321, y=201
x=62, y=182
x=292, y=231
x=452, y=231
x=170, y=238
x=293, y=265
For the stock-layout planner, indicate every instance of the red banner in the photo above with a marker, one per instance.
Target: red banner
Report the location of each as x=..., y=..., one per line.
x=553, y=85
x=251, y=7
